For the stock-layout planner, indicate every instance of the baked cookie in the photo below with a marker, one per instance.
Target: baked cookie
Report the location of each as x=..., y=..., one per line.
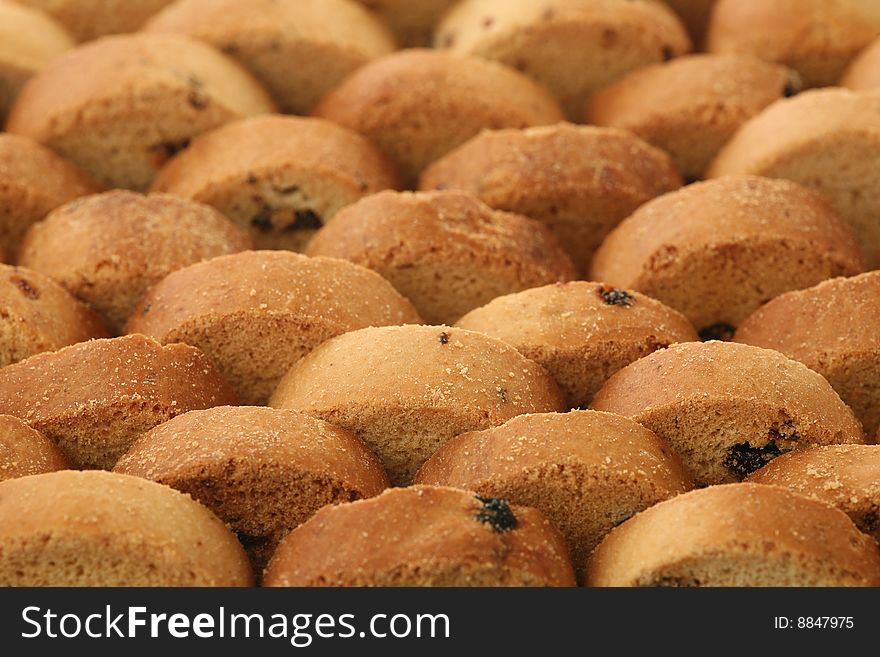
x=121, y=106
x=863, y=74
x=817, y=38
x=834, y=329
x=736, y=535
x=692, y=106
x=281, y=177
x=262, y=471
x=423, y=536
x=412, y=21
x=447, y=252
x=727, y=409
x=37, y=314
x=581, y=332
x=716, y=251
x=406, y=390
x=29, y=39
x=417, y=105
x=845, y=476
x=573, y=47
x=256, y=313
x=827, y=140
x=299, y=49
x=109, y=249
x=25, y=452
x=90, y=19
x=694, y=14
x=33, y=181
x=106, y=529
x=586, y=471
x=581, y=181
x=94, y=399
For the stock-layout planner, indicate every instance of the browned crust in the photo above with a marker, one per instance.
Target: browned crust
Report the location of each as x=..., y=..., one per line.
x=25, y=452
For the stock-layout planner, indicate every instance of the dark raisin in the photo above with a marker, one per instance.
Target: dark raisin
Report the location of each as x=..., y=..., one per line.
x=743, y=459
x=667, y=53
x=721, y=331
x=444, y=338
x=263, y=219
x=229, y=48
x=304, y=220
x=251, y=179
x=146, y=309
x=197, y=99
x=26, y=288
x=616, y=297
x=502, y=394
x=496, y=513
x=790, y=89
x=285, y=189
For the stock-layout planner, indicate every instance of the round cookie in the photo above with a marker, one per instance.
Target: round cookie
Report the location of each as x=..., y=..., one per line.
x=406, y=390
x=864, y=72
x=695, y=15
x=258, y=312
x=33, y=181
x=727, y=409
x=94, y=399
x=106, y=529
x=581, y=332
x=25, y=452
x=581, y=181
x=692, y=106
x=281, y=177
x=447, y=252
x=412, y=21
x=586, y=471
x=109, y=249
x=262, y=471
x=299, y=49
x=423, y=536
x=90, y=19
x=121, y=106
x=834, y=329
x=817, y=38
x=573, y=47
x=844, y=476
x=29, y=40
x=37, y=315
x=736, y=535
x=827, y=140
x=717, y=250
x=417, y=105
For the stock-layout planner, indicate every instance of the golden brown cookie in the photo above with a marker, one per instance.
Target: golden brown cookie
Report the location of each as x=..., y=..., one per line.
x=406, y=390
x=94, y=399
x=417, y=105
x=37, y=315
x=109, y=249
x=586, y=471
x=834, y=329
x=299, y=49
x=106, y=529
x=844, y=476
x=581, y=181
x=736, y=535
x=581, y=332
x=29, y=39
x=263, y=471
x=33, y=181
x=121, y=106
x=718, y=250
x=256, y=313
x=447, y=252
x=690, y=107
x=423, y=536
x=817, y=38
x=573, y=47
x=25, y=452
x=727, y=409
x=827, y=140
x=281, y=177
